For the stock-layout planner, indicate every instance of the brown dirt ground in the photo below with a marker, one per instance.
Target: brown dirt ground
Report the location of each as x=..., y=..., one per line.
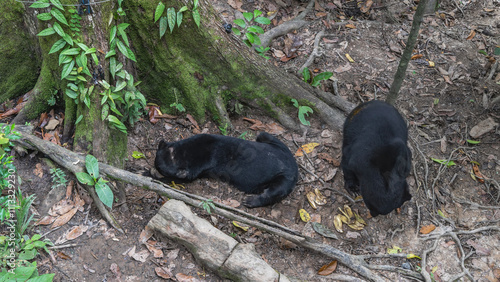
x=436, y=130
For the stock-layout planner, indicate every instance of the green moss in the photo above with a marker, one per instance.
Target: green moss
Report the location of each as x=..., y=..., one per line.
x=19, y=63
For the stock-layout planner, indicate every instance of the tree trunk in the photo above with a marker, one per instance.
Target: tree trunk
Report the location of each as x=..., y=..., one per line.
x=194, y=66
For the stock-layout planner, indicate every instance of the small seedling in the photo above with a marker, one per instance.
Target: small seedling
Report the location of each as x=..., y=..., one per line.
x=223, y=130
x=315, y=80
x=243, y=135
x=58, y=177
x=303, y=112
x=251, y=31
x=207, y=205
x=92, y=178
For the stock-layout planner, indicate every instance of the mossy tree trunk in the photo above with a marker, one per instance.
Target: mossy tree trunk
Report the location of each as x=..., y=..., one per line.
x=202, y=67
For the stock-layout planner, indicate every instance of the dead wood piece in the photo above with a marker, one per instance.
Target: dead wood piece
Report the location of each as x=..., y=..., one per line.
x=75, y=163
x=210, y=246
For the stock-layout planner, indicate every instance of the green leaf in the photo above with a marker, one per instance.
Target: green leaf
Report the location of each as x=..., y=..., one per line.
x=163, y=26
x=117, y=123
x=183, y=9
x=79, y=119
x=236, y=31
x=70, y=93
x=120, y=86
x=196, y=17
x=473, y=142
x=497, y=51
x=59, y=16
x=322, y=76
x=444, y=162
x=67, y=68
x=104, y=84
x=90, y=50
x=57, y=46
x=59, y=30
x=83, y=46
x=126, y=51
x=256, y=39
x=121, y=31
x=92, y=166
x=46, y=32
x=104, y=192
x=104, y=112
x=159, y=10
x=57, y=4
x=262, y=20
x=112, y=66
x=306, y=75
x=63, y=59
x=256, y=29
x=250, y=37
x=248, y=16
x=137, y=155
x=179, y=18
x=240, y=22
x=71, y=52
x=68, y=39
x=96, y=60
x=303, y=112
x=40, y=4
x=44, y=16
x=195, y=4
x=110, y=53
x=256, y=13
x=483, y=52
x=112, y=33
x=295, y=103
x=84, y=178
x=171, y=18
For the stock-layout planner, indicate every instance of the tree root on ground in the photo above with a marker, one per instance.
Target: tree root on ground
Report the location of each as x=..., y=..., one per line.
x=286, y=27
x=75, y=163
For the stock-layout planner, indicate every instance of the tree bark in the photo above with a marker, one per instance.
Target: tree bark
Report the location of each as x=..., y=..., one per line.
x=405, y=58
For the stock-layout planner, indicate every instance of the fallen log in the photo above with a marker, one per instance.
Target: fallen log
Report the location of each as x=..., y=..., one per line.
x=76, y=163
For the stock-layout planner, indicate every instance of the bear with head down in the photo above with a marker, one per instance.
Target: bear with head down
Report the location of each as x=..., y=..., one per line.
x=375, y=157
x=265, y=168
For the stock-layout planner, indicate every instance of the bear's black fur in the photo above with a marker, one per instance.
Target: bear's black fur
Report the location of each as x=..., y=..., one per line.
x=266, y=167
x=375, y=157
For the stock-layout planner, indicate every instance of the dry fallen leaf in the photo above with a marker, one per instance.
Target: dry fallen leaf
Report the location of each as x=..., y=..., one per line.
x=241, y=225
x=163, y=272
x=157, y=253
x=416, y=56
x=307, y=148
x=63, y=219
x=311, y=198
x=185, y=278
x=146, y=233
x=427, y=229
x=338, y=223
x=46, y=220
x=38, y=171
x=471, y=35
x=479, y=176
x=328, y=269
x=304, y=215
x=76, y=231
x=350, y=26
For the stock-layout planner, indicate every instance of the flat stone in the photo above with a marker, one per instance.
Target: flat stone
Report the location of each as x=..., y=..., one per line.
x=483, y=127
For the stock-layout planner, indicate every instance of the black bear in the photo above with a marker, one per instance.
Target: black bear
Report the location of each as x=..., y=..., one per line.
x=265, y=167
x=375, y=157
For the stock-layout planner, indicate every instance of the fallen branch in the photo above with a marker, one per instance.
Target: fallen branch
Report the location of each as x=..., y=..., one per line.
x=75, y=163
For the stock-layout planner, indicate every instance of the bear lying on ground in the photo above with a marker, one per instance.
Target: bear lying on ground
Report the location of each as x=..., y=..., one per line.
x=266, y=167
x=375, y=157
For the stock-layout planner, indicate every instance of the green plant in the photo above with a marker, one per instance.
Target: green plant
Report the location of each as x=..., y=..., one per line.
x=251, y=32
x=232, y=234
x=174, y=18
x=7, y=168
x=122, y=98
x=23, y=217
x=92, y=178
x=303, y=112
x=52, y=100
x=25, y=272
x=7, y=134
x=207, y=205
x=58, y=177
x=243, y=135
x=223, y=129
x=316, y=80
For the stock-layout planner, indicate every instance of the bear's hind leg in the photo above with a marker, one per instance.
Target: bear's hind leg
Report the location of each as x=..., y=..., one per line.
x=274, y=192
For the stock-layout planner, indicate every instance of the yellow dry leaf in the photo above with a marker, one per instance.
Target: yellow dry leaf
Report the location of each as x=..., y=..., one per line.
x=394, y=250
x=304, y=215
x=307, y=148
x=349, y=58
x=350, y=26
x=345, y=214
x=344, y=219
x=471, y=35
x=434, y=269
x=356, y=226
x=432, y=64
x=320, y=198
x=311, y=198
x=240, y=225
x=328, y=269
x=348, y=210
x=338, y=223
x=359, y=218
x=410, y=256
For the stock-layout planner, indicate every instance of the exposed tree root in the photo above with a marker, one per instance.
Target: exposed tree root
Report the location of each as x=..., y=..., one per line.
x=75, y=163
x=286, y=27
